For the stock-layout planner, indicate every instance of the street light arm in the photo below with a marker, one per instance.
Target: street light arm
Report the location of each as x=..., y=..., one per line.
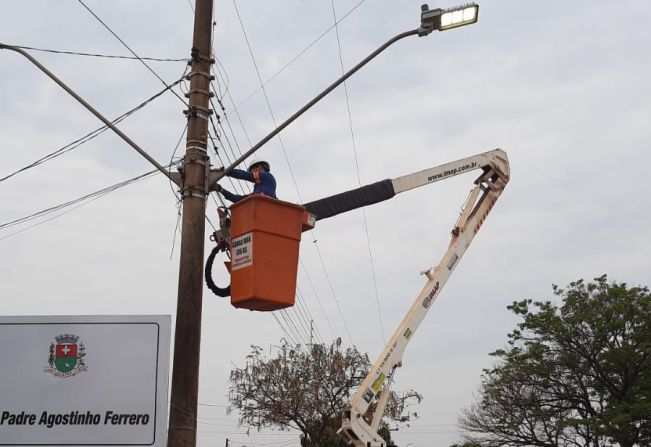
x=92, y=110
x=219, y=174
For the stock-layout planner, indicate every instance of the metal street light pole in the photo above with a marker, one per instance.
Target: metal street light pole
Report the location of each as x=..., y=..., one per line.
x=431, y=20
x=309, y=105
x=90, y=108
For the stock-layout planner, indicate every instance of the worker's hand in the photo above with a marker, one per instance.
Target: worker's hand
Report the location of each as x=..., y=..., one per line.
x=218, y=187
x=220, y=169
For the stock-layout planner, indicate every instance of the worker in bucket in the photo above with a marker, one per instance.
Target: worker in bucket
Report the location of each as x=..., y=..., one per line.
x=259, y=174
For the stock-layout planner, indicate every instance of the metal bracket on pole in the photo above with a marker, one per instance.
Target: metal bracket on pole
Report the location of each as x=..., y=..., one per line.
x=206, y=110
x=214, y=175
x=200, y=91
x=200, y=148
x=176, y=178
x=92, y=110
x=190, y=193
x=194, y=53
x=205, y=74
x=199, y=112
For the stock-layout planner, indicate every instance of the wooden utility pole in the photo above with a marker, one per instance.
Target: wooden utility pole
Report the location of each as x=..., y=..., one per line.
x=185, y=376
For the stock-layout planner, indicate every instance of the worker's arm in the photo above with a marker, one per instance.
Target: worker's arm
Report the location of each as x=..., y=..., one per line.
x=229, y=195
x=242, y=175
x=265, y=183
x=253, y=177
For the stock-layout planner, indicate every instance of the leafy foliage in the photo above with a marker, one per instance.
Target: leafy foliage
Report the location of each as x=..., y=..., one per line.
x=574, y=375
x=303, y=388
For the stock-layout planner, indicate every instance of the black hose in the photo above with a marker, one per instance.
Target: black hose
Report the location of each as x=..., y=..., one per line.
x=223, y=292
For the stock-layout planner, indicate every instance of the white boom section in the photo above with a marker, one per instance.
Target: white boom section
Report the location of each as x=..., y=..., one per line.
x=495, y=165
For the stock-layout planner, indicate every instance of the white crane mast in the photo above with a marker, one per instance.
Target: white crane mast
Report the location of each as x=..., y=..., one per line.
x=356, y=430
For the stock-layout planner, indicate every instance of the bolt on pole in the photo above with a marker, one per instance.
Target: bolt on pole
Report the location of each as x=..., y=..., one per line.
x=185, y=376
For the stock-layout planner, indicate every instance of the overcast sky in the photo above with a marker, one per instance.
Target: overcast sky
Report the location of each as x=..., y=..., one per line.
x=562, y=87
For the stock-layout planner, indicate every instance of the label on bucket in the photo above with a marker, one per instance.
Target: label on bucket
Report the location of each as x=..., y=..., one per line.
x=242, y=251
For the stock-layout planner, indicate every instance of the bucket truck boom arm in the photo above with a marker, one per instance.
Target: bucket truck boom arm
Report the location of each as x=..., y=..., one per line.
x=356, y=429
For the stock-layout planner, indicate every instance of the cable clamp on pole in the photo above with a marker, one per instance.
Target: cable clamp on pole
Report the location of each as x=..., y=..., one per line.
x=193, y=146
x=198, y=112
x=200, y=91
x=194, y=193
x=207, y=110
x=205, y=74
x=194, y=53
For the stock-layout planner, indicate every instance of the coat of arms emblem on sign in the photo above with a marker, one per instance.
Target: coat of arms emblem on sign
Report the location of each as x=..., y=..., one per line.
x=67, y=356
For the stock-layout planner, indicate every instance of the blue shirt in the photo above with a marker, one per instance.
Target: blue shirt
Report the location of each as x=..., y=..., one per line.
x=264, y=183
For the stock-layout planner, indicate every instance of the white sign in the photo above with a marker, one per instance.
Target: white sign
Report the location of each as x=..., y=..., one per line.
x=84, y=380
x=242, y=251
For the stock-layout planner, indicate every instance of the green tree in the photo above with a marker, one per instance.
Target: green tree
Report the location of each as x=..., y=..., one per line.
x=574, y=375
x=305, y=388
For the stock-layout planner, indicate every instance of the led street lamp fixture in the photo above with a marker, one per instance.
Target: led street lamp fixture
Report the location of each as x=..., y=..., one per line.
x=443, y=19
x=455, y=17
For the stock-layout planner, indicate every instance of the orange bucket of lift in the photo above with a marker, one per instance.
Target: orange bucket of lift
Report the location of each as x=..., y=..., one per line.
x=265, y=239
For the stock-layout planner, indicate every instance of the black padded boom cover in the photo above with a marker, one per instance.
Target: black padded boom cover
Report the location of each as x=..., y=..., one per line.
x=350, y=200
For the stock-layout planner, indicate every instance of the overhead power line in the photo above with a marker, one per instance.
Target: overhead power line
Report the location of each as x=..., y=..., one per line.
x=130, y=50
x=359, y=180
x=266, y=97
x=318, y=300
x=83, y=198
x=70, y=205
x=89, y=136
x=289, y=164
x=300, y=53
x=107, y=56
x=296, y=331
x=282, y=145
x=235, y=108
